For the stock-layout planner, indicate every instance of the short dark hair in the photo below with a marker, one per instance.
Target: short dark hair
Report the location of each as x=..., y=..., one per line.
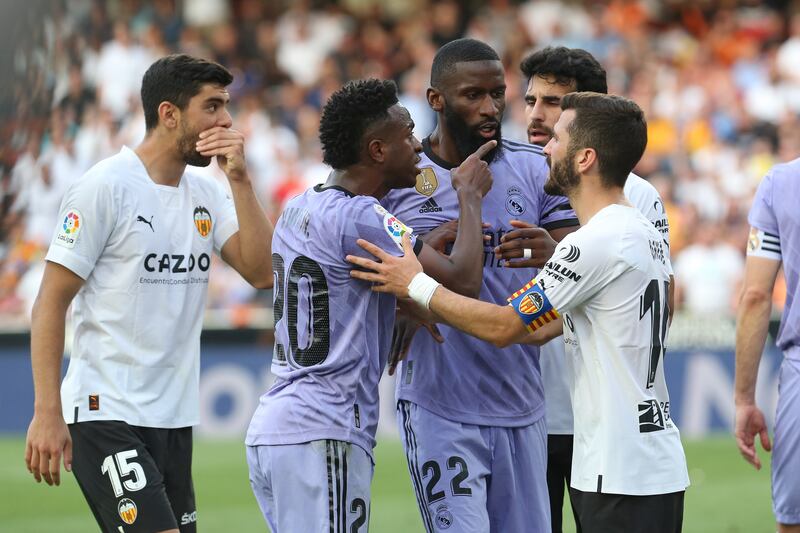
x=614, y=126
x=459, y=51
x=176, y=79
x=347, y=115
x=567, y=65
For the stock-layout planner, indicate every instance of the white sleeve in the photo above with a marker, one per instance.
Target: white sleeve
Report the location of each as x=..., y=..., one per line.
x=646, y=199
x=580, y=267
x=86, y=220
x=227, y=224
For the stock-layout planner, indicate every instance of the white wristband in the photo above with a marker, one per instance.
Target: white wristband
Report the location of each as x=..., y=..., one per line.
x=421, y=289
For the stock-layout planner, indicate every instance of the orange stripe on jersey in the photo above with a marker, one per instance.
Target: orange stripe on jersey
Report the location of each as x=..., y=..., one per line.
x=530, y=284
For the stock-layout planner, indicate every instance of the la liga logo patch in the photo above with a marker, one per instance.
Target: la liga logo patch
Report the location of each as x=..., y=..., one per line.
x=393, y=226
x=70, y=228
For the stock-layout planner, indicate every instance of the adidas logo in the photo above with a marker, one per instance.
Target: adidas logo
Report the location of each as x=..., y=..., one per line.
x=430, y=206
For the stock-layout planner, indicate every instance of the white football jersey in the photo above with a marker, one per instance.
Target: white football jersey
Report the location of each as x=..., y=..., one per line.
x=609, y=280
x=144, y=250
x=556, y=371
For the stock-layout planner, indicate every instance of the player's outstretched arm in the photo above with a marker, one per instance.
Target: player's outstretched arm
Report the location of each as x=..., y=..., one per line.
x=462, y=270
x=546, y=333
x=752, y=322
x=248, y=250
x=48, y=437
x=493, y=323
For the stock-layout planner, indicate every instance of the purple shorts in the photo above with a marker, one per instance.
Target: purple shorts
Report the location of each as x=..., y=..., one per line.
x=785, y=456
x=470, y=478
x=316, y=487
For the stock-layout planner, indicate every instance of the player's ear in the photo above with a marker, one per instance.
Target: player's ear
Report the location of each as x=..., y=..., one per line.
x=169, y=115
x=435, y=99
x=376, y=149
x=585, y=158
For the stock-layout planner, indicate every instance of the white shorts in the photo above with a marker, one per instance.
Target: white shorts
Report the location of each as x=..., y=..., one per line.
x=316, y=487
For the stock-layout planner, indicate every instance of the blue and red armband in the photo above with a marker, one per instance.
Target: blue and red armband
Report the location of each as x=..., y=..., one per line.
x=532, y=306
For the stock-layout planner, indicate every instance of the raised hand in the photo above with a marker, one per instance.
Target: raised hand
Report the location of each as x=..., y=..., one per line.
x=440, y=237
x=474, y=173
x=392, y=274
x=527, y=236
x=228, y=146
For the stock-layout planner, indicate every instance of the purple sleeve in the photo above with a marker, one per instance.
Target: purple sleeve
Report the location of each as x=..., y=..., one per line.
x=373, y=223
x=761, y=214
x=556, y=212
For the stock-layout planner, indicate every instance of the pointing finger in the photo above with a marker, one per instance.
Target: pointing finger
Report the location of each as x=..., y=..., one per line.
x=485, y=149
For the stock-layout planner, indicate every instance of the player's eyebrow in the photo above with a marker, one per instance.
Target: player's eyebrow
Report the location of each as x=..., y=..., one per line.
x=217, y=100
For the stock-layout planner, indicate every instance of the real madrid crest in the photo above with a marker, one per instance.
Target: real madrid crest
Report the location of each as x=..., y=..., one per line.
x=427, y=182
x=515, y=202
x=753, y=242
x=202, y=221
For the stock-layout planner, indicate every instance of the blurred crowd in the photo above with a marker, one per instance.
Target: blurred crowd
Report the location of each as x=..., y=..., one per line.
x=718, y=80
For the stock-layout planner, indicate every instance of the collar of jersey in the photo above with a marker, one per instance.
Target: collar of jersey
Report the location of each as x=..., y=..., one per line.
x=426, y=147
x=321, y=188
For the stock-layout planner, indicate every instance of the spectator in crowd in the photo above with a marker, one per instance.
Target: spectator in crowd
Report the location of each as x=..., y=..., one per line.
x=718, y=83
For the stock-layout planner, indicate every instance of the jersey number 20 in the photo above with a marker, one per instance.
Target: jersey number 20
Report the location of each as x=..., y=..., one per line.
x=307, y=271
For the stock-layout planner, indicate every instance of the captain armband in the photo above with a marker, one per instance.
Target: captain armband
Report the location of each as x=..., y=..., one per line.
x=532, y=306
x=764, y=244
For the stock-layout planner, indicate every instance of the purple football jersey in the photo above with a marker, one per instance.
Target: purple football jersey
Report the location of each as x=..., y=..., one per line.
x=466, y=379
x=332, y=333
x=775, y=211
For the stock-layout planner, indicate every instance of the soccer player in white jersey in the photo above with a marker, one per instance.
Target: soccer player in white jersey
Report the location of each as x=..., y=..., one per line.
x=774, y=241
x=551, y=73
x=131, y=253
x=606, y=289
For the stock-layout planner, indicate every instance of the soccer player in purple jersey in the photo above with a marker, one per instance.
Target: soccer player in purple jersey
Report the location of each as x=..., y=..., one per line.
x=309, y=444
x=774, y=241
x=471, y=416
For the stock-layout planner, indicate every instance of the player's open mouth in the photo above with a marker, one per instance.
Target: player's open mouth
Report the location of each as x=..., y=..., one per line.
x=488, y=131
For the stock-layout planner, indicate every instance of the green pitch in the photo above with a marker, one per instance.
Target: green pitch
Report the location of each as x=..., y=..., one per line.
x=726, y=496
